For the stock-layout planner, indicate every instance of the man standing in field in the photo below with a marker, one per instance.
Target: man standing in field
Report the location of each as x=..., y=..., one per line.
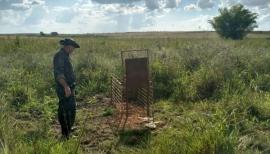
x=65, y=85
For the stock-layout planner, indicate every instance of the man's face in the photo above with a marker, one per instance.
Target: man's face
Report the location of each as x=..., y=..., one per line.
x=70, y=49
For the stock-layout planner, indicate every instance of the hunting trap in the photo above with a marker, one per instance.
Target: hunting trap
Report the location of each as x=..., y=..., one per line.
x=132, y=92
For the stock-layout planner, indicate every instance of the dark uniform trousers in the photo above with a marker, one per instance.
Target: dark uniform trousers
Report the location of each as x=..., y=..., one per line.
x=66, y=111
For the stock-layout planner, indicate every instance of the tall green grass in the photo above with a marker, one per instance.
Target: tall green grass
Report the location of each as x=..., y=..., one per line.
x=213, y=94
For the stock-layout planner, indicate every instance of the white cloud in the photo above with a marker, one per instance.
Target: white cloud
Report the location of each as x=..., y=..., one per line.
x=152, y=4
x=141, y=20
x=228, y=3
x=92, y=16
x=161, y=4
x=205, y=4
x=19, y=4
x=7, y=4
x=192, y=24
x=265, y=18
x=17, y=15
x=200, y=23
x=122, y=9
x=115, y=1
x=11, y=17
x=65, y=15
x=173, y=3
x=248, y=3
x=190, y=7
x=87, y=16
x=254, y=3
x=200, y=5
x=264, y=15
x=66, y=3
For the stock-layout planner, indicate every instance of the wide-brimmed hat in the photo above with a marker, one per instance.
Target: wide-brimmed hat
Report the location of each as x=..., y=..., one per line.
x=69, y=41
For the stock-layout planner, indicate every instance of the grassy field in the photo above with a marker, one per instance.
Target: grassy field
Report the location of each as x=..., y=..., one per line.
x=211, y=94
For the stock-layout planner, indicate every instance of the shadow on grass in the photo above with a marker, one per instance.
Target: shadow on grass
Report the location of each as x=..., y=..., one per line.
x=134, y=137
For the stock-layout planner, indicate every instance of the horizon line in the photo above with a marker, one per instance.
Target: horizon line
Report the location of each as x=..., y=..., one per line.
x=49, y=33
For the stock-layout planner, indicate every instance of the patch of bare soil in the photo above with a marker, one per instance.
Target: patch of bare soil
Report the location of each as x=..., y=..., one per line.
x=99, y=130
x=130, y=116
x=91, y=126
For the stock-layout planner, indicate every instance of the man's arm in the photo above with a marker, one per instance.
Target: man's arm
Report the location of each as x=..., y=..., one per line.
x=59, y=66
x=66, y=87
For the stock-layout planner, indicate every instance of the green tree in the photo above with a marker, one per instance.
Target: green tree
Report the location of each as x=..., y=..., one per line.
x=235, y=22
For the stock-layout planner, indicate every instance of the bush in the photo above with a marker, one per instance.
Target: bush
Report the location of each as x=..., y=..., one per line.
x=163, y=79
x=263, y=83
x=234, y=23
x=206, y=84
x=19, y=97
x=192, y=64
x=260, y=109
x=97, y=82
x=181, y=91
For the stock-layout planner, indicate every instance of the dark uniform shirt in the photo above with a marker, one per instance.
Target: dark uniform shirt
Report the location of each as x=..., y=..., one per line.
x=63, y=68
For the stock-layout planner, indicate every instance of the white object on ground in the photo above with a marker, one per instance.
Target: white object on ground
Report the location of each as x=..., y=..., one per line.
x=146, y=119
x=151, y=125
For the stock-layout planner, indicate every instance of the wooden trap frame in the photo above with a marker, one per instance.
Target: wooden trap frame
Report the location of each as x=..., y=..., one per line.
x=132, y=93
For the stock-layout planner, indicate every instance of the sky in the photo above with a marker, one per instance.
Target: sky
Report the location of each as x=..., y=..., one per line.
x=108, y=16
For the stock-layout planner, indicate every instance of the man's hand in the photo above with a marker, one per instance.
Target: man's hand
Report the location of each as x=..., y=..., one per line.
x=66, y=87
x=67, y=91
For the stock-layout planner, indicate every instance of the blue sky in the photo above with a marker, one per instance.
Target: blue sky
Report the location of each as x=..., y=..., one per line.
x=102, y=16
